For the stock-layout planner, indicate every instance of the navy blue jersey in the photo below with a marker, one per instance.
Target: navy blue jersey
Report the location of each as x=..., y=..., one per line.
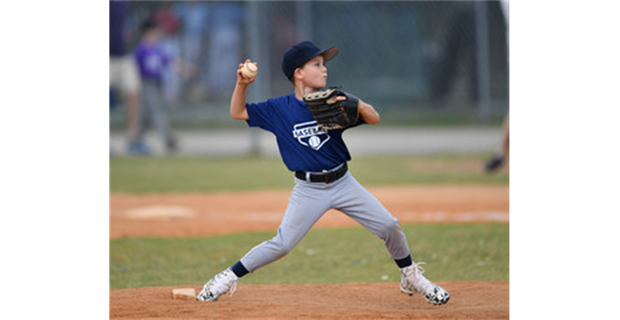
x=303, y=145
x=118, y=17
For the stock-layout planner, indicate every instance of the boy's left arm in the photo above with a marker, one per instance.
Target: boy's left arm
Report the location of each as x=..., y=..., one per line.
x=368, y=113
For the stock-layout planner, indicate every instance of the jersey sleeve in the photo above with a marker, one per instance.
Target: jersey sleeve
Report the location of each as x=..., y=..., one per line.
x=261, y=114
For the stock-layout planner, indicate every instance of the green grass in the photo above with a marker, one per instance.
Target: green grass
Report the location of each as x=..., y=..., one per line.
x=203, y=174
x=453, y=252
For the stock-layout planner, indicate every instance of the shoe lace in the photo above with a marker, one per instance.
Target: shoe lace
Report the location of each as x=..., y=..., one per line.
x=418, y=269
x=225, y=281
x=420, y=282
x=415, y=269
x=233, y=288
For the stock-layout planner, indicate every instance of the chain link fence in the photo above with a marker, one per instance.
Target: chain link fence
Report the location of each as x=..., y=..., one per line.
x=417, y=62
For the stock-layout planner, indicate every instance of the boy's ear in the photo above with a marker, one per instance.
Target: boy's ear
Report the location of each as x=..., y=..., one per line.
x=297, y=73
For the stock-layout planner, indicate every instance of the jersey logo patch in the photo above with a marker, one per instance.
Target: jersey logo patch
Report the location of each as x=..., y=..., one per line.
x=310, y=134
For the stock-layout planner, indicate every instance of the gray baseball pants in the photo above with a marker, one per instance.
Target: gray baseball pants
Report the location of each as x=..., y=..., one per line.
x=307, y=204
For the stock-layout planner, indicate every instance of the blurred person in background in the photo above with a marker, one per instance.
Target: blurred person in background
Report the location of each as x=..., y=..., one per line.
x=152, y=61
x=193, y=17
x=224, y=50
x=499, y=158
x=123, y=72
x=458, y=49
x=171, y=44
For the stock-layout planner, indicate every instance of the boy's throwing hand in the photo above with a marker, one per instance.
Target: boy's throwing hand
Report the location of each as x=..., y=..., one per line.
x=241, y=79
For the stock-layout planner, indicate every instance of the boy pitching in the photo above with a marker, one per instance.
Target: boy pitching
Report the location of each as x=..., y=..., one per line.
x=319, y=159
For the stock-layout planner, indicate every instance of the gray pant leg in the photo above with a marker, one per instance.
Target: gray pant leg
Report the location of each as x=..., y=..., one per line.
x=356, y=202
x=306, y=205
x=154, y=104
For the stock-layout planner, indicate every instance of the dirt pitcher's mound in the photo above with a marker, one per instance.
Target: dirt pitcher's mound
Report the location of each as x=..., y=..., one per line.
x=469, y=300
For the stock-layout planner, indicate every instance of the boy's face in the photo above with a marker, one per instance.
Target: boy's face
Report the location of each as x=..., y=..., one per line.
x=153, y=35
x=313, y=73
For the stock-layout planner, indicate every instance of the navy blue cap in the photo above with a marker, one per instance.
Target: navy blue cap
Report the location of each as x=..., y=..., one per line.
x=300, y=53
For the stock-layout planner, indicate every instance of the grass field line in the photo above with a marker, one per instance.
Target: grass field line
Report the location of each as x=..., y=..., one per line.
x=361, y=141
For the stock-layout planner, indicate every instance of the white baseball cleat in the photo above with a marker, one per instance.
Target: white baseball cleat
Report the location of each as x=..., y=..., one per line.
x=412, y=280
x=220, y=284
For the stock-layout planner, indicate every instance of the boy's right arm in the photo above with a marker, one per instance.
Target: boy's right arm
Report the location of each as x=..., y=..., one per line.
x=238, y=109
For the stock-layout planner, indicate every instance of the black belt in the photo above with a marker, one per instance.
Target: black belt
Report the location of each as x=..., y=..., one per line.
x=326, y=177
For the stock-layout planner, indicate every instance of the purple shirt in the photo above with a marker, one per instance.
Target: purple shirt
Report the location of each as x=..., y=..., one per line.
x=152, y=60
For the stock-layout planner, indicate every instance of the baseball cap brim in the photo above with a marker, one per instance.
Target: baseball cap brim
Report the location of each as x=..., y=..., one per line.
x=328, y=53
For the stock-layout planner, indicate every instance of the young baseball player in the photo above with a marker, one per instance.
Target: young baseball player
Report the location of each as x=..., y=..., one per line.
x=318, y=157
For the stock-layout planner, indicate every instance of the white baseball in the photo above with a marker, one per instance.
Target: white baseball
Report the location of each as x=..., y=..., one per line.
x=249, y=70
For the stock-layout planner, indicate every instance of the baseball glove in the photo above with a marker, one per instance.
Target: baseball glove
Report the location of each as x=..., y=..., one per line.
x=330, y=113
